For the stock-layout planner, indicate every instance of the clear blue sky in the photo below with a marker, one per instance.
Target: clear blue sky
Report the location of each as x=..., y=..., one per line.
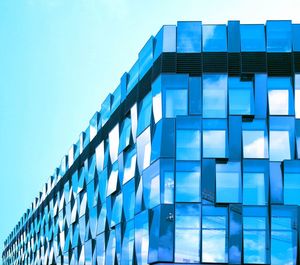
x=58, y=61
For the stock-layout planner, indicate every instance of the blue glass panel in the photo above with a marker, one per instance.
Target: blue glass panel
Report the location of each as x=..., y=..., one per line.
x=284, y=235
x=296, y=37
x=141, y=237
x=113, y=179
x=214, y=96
x=279, y=36
x=253, y=38
x=255, y=182
x=117, y=210
x=133, y=77
x=281, y=138
x=187, y=233
x=228, y=182
x=151, y=185
x=146, y=57
x=241, y=98
x=129, y=199
x=291, y=182
x=165, y=40
x=188, y=144
x=125, y=134
x=189, y=36
x=214, y=38
x=255, y=139
x=280, y=96
x=105, y=109
x=130, y=165
x=214, y=234
x=195, y=95
x=128, y=244
x=144, y=117
x=188, y=181
x=234, y=36
x=116, y=99
x=255, y=235
x=214, y=143
x=144, y=150
x=260, y=95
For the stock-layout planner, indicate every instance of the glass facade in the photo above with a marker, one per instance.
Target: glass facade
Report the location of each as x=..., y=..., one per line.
x=193, y=159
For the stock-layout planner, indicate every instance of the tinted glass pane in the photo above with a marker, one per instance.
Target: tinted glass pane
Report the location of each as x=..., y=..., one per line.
x=279, y=36
x=292, y=188
x=255, y=144
x=228, y=182
x=253, y=38
x=189, y=36
x=214, y=238
x=214, y=96
x=279, y=145
x=187, y=233
x=214, y=143
x=176, y=102
x=254, y=192
x=214, y=38
x=241, y=98
x=188, y=182
x=188, y=145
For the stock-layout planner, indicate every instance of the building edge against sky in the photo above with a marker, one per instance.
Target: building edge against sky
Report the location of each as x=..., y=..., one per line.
x=197, y=147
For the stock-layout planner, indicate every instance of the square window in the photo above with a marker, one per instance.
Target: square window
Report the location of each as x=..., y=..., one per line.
x=188, y=145
x=255, y=144
x=214, y=144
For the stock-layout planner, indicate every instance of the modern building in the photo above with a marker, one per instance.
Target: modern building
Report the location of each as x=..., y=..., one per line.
x=193, y=159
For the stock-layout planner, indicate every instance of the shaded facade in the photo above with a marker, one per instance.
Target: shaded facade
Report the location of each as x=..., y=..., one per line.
x=193, y=159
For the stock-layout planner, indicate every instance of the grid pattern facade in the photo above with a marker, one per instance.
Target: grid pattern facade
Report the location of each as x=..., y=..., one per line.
x=193, y=159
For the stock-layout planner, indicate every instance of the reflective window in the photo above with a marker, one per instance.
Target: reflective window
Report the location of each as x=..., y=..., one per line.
x=188, y=145
x=151, y=185
x=144, y=117
x=279, y=145
x=144, y=149
x=280, y=96
x=141, y=238
x=133, y=77
x=127, y=244
x=255, y=139
x=228, y=182
x=125, y=134
x=283, y=235
x=254, y=189
x=296, y=37
x=129, y=165
x=252, y=38
x=215, y=96
x=188, y=182
x=279, y=36
x=114, y=143
x=129, y=199
x=282, y=138
x=291, y=182
x=189, y=36
x=165, y=40
x=214, y=38
x=146, y=57
x=214, y=234
x=255, y=235
x=113, y=179
x=187, y=233
x=195, y=95
x=176, y=102
x=255, y=182
x=241, y=98
x=117, y=210
x=214, y=143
